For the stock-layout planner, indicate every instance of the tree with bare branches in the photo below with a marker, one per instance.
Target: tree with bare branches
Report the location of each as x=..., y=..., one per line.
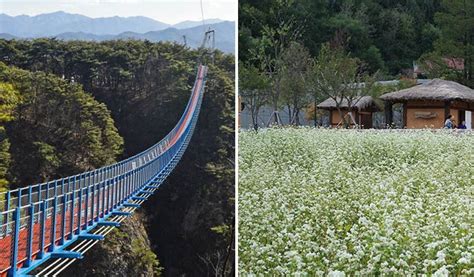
x=341, y=78
x=270, y=46
x=253, y=88
x=296, y=72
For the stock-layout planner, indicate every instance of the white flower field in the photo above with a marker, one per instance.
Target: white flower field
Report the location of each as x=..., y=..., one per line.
x=315, y=202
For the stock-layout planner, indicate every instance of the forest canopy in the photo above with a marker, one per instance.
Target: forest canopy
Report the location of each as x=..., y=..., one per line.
x=303, y=52
x=387, y=36
x=51, y=128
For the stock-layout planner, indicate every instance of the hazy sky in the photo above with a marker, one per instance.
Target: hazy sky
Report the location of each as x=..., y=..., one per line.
x=168, y=11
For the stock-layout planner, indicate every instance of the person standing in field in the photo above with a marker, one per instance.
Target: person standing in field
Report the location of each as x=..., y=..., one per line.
x=449, y=124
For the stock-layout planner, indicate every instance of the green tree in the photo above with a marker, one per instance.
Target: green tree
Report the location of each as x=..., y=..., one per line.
x=68, y=131
x=9, y=99
x=386, y=35
x=253, y=88
x=456, y=21
x=296, y=73
x=396, y=39
x=269, y=48
x=337, y=76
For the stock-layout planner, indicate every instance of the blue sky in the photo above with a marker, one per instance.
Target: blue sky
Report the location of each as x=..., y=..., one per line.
x=167, y=11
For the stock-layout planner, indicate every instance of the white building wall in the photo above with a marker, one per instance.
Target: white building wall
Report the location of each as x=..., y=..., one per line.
x=469, y=120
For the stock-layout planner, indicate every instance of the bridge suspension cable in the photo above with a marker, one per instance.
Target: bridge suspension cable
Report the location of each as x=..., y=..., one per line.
x=42, y=221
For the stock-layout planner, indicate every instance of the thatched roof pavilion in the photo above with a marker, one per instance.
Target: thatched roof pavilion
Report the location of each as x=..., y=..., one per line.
x=359, y=103
x=435, y=89
x=362, y=106
x=429, y=104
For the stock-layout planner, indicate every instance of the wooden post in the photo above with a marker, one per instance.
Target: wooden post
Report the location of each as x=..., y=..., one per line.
x=447, y=109
x=330, y=118
x=405, y=114
x=388, y=114
x=315, y=114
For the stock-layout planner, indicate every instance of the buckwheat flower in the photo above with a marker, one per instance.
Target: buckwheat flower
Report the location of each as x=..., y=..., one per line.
x=441, y=257
x=336, y=273
x=463, y=260
x=441, y=272
x=315, y=200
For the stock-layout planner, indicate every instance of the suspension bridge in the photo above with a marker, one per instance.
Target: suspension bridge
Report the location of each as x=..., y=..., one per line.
x=58, y=221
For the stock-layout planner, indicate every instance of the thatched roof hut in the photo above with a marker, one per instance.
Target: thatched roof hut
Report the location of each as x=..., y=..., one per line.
x=359, y=103
x=436, y=89
x=360, y=114
x=429, y=104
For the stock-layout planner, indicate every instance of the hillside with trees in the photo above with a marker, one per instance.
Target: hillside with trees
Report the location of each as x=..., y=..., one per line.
x=52, y=128
x=91, y=98
x=387, y=40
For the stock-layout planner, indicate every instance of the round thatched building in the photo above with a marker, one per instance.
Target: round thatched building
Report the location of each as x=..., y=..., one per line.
x=429, y=104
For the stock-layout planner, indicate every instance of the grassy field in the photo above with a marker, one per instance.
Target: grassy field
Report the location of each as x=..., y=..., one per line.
x=347, y=202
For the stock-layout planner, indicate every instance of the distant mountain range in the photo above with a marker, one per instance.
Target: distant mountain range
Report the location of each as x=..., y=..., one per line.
x=67, y=26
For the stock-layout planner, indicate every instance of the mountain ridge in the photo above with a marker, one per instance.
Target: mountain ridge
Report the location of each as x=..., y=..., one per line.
x=55, y=23
x=224, y=32
x=69, y=26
